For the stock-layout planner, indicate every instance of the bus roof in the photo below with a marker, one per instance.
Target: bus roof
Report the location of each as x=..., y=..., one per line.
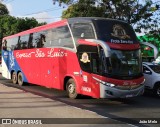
x=90, y=19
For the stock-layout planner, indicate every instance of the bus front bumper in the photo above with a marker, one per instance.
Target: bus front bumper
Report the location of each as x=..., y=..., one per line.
x=113, y=92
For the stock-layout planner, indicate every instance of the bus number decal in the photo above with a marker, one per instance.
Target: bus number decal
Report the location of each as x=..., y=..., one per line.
x=86, y=89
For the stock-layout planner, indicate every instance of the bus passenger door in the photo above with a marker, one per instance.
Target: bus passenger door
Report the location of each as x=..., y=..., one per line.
x=96, y=70
x=89, y=64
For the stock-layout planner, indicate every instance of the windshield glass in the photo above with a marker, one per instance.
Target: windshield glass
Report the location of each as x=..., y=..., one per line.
x=155, y=68
x=125, y=63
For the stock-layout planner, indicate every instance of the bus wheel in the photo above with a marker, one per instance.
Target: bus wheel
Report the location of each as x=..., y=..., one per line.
x=157, y=90
x=71, y=89
x=14, y=77
x=20, y=78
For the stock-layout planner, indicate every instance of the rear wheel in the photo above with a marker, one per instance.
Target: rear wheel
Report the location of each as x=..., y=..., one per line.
x=157, y=90
x=14, y=77
x=20, y=78
x=71, y=89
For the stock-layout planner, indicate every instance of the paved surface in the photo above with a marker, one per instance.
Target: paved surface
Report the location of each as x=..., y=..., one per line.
x=39, y=102
x=17, y=103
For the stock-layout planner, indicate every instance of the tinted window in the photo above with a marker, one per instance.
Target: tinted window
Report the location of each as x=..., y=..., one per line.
x=85, y=64
x=11, y=43
x=23, y=42
x=125, y=63
x=83, y=30
x=90, y=65
x=115, y=31
x=4, y=44
x=64, y=37
x=88, y=58
x=59, y=37
x=38, y=39
x=51, y=38
x=30, y=42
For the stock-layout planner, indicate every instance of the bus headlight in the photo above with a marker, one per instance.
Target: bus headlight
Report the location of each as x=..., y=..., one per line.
x=109, y=84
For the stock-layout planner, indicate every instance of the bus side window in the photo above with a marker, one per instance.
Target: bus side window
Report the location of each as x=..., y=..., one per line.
x=83, y=30
x=64, y=36
x=95, y=63
x=54, y=39
x=14, y=43
x=10, y=44
x=4, y=45
x=84, y=63
x=23, y=42
x=30, y=44
x=51, y=38
x=41, y=41
x=38, y=39
x=35, y=40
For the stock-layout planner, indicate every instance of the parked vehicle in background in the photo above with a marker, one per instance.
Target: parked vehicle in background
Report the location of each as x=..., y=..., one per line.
x=151, y=73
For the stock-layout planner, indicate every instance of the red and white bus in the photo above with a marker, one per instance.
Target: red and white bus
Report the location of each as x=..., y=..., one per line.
x=97, y=57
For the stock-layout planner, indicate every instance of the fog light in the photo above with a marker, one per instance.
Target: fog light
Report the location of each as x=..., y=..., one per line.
x=109, y=92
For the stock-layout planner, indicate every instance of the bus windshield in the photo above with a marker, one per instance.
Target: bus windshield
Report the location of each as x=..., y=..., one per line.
x=124, y=63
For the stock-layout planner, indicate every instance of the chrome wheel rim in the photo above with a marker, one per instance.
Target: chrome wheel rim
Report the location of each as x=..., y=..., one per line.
x=158, y=91
x=71, y=88
x=20, y=78
x=14, y=77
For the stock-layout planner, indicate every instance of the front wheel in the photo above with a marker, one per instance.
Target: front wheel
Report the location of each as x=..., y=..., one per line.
x=20, y=78
x=71, y=89
x=157, y=90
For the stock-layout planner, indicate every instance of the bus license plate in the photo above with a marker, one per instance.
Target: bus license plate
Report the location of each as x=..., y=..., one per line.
x=129, y=95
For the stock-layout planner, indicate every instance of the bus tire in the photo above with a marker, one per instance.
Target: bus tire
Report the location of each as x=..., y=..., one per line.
x=71, y=89
x=20, y=79
x=157, y=90
x=14, y=77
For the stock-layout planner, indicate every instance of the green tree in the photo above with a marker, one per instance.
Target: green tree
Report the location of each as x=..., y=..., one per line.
x=11, y=25
x=3, y=9
x=84, y=8
x=141, y=15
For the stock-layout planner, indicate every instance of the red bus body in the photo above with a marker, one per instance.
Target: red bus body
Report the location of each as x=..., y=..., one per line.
x=53, y=65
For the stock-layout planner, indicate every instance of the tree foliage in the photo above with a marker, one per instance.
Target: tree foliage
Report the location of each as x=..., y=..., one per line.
x=11, y=25
x=3, y=9
x=142, y=14
x=83, y=10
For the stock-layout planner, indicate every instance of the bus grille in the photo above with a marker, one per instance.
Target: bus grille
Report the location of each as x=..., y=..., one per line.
x=128, y=87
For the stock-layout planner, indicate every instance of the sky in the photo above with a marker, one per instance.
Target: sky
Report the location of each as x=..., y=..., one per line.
x=42, y=10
